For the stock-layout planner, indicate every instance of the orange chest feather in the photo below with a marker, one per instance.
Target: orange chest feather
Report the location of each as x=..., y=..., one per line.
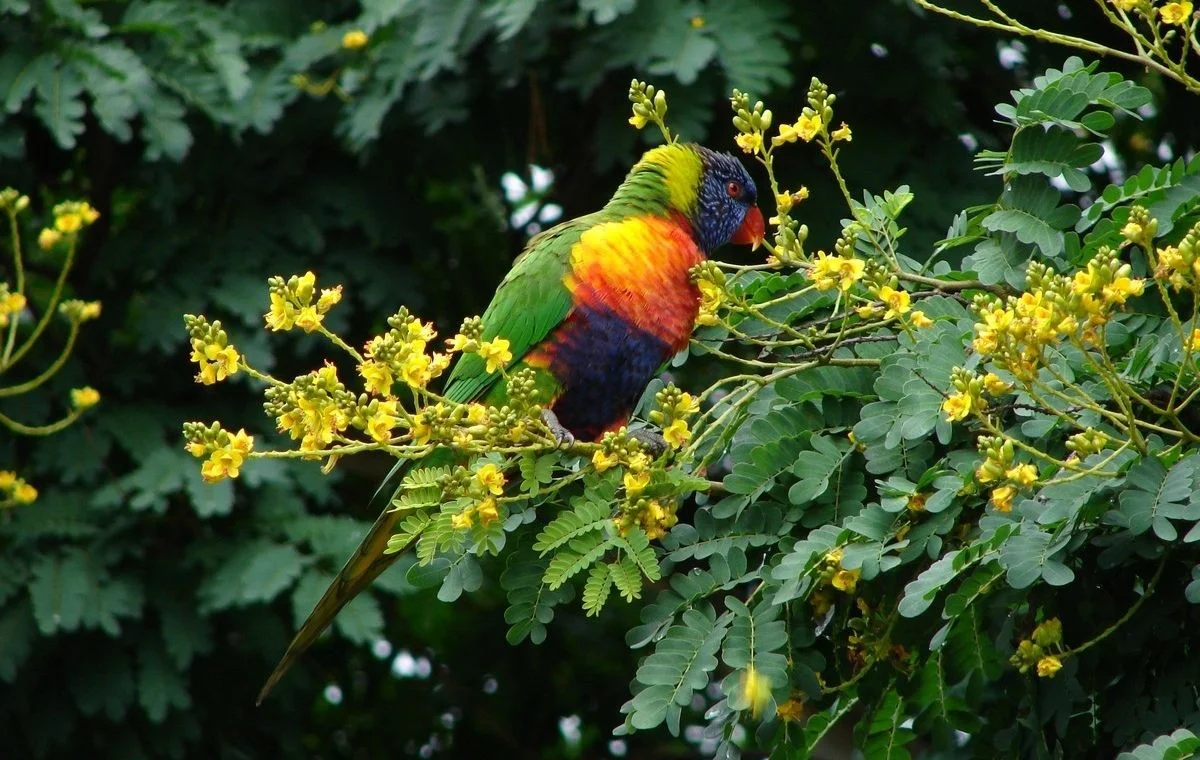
x=638, y=269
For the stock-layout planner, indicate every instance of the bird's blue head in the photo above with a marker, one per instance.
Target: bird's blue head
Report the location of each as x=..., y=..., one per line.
x=726, y=209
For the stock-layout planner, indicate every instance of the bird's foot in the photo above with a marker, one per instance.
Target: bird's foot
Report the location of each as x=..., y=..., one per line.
x=653, y=442
x=560, y=433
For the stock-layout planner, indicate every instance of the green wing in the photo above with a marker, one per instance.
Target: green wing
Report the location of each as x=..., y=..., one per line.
x=530, y=302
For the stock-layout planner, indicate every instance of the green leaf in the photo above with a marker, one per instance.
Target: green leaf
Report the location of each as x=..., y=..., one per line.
x=587, y=516
x=1178, y=745
x=1029, y=209
x=1152, y=496
x=160, y=686
x=817, y=467
x=1052, y=152
x=60, y=590
x=597, y=588
x=678, y=667
x=887, y=733
x=627, y=577
x=17, y=632
x=576, y=557
x=531, y=601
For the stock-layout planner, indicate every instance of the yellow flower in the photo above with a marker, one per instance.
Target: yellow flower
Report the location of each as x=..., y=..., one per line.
x=48, y=238
x=1193, y=341
x=1132, y=231
x=846, y=580
x=196, y=449
x=68, y=222
x=491, y=478
x=354, y=39
x=477, y=414
x=1121, y=288
x=25, y=494
x=84, y=398
x=635, y=483
x=749, y=142
x=1048, y=633
x=686, y=404
x=807, y=126
x=639, y=462
x=421, y=431
x=791, y=711
x=90, y=310
x=282, y=315
x=602, y=461
x=994, y=385
x=12, y=303
x=1177, y=14
x=1002, y=498
x=8, y=479
x=756, y=690
x=828, y=271
x=957, y=406
x=415, y=370
x=421, y=331
x=495, y=353
x=897, y=301
x=463, y=519
x=308, y=319
x=377, y=377
x=1022, y=474
x=226, y=461
x=381, y=423
x=919, y=320
x=833, y=556
x=488, y=511
x=639, y=120
x=225, y=359
x=458, y=343
x=329, y=298
x=711, y=296
x=842, y=133
x=1050, y=664
x=697, y=22
x=676, y=434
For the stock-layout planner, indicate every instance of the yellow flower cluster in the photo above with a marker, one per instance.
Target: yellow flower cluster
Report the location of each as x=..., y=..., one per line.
x=69, y=218
x=487, y=482
x=839, y=271
x=673, y=407
x=355, y=39
x=10, y=304
x=314, y=409
x=755, y=690
x=84, y=398
x=1014, y=332
x=292, y=303
x=223, y=453
x=14, y=490
x=806, y=128
x=999, y=467
x=400, y=353
x=1042, y=651
x=1176, y=14
x=211, y=350
x=969, y=388
x=831, y=574
x=1179, y=265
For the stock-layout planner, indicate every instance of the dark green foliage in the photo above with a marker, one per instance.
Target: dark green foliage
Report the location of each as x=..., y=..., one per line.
x=140, y=609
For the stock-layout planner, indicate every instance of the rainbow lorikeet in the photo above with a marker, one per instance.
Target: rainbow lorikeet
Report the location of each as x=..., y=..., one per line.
x=596, y=305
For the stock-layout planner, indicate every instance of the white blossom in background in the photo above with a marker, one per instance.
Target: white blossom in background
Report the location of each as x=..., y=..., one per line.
x=527, y=199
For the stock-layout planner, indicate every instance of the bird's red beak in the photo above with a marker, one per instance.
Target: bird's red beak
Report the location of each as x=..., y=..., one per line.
x=752, y=231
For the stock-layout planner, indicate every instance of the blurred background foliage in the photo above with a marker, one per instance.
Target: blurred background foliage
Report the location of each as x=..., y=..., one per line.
x=226, y=142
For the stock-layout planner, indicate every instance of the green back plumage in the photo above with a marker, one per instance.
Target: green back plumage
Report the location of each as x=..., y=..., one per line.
x=530, y=302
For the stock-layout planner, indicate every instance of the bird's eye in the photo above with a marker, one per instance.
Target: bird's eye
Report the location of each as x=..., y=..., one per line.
x=734, y=189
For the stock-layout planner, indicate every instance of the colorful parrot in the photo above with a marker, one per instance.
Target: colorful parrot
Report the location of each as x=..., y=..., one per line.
x=595, y=306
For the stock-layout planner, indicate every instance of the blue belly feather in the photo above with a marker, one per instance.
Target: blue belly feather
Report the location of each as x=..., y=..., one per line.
x=603, y=364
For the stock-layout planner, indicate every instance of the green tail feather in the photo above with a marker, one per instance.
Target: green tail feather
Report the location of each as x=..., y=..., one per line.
x=364, y=566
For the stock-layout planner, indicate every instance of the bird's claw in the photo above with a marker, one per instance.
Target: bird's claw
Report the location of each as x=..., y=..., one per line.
x=560, y=433
x=654, y=443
